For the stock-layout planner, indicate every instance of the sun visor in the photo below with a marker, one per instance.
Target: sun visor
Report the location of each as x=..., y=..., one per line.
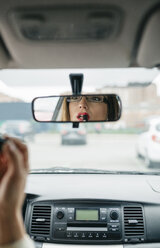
x=149, y=49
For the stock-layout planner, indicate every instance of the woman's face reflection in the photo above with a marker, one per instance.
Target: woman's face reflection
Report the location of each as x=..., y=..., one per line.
x=85, y=110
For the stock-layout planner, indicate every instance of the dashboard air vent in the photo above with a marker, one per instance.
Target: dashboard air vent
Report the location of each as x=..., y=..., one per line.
x=133, y=221
x=41, y=219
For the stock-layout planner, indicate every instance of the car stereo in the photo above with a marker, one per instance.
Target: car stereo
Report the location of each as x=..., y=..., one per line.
x=82, y=222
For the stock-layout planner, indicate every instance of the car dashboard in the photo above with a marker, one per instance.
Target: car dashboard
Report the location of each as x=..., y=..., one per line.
x=85, y=209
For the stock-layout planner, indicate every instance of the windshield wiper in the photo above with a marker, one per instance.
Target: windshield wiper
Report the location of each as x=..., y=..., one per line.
x=66, y=170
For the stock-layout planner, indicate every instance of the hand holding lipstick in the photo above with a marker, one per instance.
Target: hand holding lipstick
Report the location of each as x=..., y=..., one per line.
x=13, y=172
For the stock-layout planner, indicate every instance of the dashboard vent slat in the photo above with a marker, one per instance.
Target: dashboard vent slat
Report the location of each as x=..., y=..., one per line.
x=133, y=221
x=41, y=220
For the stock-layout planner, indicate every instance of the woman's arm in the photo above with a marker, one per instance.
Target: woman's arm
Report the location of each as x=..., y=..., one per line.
x=13, y=173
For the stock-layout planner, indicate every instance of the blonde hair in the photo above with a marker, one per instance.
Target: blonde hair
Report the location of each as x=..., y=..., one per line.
x=65, y=110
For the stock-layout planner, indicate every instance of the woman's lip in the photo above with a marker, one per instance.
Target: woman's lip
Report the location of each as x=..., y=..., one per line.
x=80, y=116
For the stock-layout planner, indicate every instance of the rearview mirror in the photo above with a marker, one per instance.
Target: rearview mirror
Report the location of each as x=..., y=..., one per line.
x=77, y=108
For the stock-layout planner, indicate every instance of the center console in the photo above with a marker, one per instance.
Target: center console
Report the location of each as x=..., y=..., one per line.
x=85, y=222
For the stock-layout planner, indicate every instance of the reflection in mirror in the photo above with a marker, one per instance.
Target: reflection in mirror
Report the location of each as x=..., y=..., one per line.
x=77, y=108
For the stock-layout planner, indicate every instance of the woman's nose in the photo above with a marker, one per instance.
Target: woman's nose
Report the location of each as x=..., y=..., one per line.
x=83, y=103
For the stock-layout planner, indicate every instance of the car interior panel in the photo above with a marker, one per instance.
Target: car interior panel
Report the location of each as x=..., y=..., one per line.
x=81, y=190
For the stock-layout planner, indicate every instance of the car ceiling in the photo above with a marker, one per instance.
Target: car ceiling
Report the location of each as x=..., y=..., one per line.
x=79, y=33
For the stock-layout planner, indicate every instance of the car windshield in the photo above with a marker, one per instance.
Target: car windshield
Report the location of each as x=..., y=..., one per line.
x=129, y=144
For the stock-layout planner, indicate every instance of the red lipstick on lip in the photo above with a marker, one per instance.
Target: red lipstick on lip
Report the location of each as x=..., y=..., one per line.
x=80, y=116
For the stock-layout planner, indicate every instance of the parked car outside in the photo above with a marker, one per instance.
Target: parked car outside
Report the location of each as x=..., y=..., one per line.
x=73, y=136
x=21, y=129
x=148, y=145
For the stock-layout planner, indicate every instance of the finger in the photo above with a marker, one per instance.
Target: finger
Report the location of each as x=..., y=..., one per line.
x=19, y=144
x=22, y=147
x=3, y=166
x=15, y=172
x=14, y=157
x=3, y=163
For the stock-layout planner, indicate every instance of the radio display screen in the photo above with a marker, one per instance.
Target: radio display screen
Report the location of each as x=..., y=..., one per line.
x=85, y=214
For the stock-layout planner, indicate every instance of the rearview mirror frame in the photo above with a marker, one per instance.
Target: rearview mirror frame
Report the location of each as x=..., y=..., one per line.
x=111, y=98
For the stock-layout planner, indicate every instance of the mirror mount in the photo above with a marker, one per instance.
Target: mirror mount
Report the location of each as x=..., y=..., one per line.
x=76, y=85
x=75, y=125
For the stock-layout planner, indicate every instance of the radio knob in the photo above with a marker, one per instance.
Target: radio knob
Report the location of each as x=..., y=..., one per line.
x=114, y=215
x=60, y=215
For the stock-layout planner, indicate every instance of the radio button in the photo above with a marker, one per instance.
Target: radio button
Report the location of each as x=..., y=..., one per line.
x=83, y=235
x=114, y=229
x=76, y=235
x=103, y=214
x=69, y=235
x=97, y=235
x=60, y=229
x=70, y=210
x=90, y=235
x=103, y=210
x=103, y=218
x=70, y=217
x=104, y=235
x=114, y=226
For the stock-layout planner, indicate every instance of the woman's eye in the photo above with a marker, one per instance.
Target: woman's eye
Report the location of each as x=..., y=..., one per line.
x=74, y=98
x=96, y=99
